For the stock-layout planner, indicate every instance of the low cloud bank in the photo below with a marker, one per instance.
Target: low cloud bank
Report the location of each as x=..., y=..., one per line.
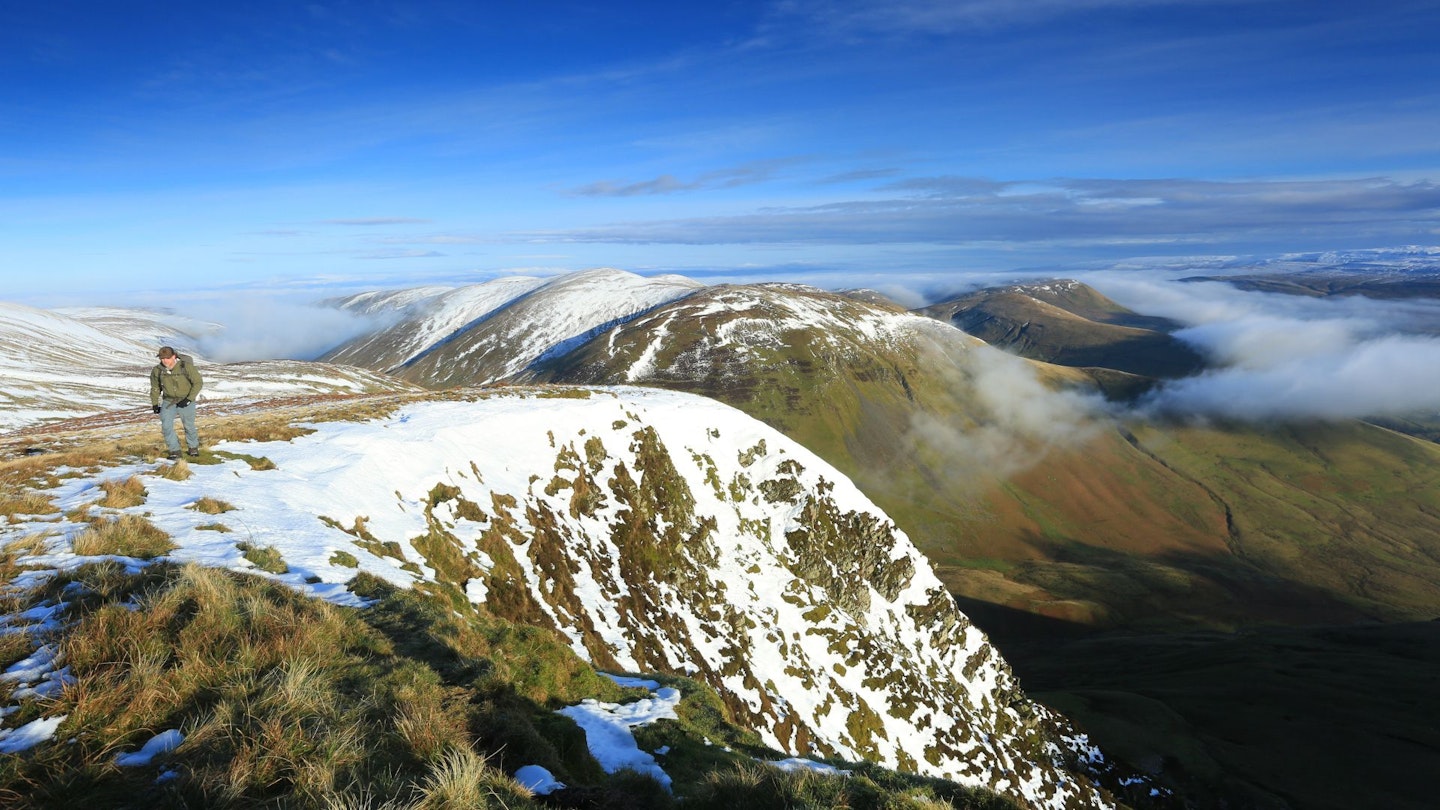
x=1278, y=356
x=263, y=328
x=1389, y=376
x=1016, y=418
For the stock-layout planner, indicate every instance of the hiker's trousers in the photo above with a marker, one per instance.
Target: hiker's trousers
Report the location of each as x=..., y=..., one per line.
x=168, y=409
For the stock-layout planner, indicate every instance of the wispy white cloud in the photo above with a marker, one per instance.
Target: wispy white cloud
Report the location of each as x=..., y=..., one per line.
x=859, y=17
x=373, y=221
x=398, y=254
x=733, y=177
x=1117, y=212
x=437, y=239
x=1017, y=417
x=858, y=176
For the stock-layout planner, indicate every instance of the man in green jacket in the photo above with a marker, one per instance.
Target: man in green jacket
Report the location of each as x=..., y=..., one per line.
x=174, y=384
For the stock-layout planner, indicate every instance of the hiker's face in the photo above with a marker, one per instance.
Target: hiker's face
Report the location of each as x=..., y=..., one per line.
x=168, y=362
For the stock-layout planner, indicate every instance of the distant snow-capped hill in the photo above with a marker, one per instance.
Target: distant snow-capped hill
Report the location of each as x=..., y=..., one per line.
x=433, y=318
x=495, y=330
x=147, y=327
x=78, y=362
x=656, y=531
x=924, y=418
x=43, y=337
x=381, y=302
x=1075, y=297
x=1393, y=274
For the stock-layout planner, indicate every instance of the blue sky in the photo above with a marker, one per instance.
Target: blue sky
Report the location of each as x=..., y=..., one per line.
x=166, y=146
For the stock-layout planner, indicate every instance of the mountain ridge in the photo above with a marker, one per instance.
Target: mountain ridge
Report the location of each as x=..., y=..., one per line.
x=655, y=530
x=516, y=322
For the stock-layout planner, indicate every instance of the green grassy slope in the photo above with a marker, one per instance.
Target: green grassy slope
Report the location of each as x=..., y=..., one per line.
x=1217, y=526
x=1153, y=525
x=1345, y=507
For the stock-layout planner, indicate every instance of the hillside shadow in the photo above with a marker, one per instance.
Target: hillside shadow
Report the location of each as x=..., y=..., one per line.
x=1234, y=687
x=1299, y=717
x=1183, y=590
x=1010, y=625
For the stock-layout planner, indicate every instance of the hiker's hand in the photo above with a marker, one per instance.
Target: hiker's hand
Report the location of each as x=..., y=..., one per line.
x=184, y=403
x=155, y=408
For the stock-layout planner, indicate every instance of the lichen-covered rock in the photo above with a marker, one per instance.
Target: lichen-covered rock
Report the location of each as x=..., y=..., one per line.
x=671, y=533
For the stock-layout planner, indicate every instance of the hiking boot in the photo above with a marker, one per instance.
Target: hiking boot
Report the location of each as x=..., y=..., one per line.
x=194, y=453
x=172, y=456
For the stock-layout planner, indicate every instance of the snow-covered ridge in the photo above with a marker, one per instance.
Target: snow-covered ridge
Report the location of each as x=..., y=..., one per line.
x=434, y=318
x=380, y=302
x=658, y=532
x=551, y=318
x=575, y=307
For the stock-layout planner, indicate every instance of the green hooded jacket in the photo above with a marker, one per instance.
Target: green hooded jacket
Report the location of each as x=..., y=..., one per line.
x=180, y=382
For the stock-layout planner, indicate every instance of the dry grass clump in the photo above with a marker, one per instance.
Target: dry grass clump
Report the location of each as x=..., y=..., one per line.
x=345, y=558
x=463, y=779
x=26, y=503
x=214, y=527
x=12, y=555
x=245, y=664
x=13, y=647
x=429, y=717
x=123, y=494
x=211, y=506
x=179, y=471
x=282, y=701
x=72, y=452
x=255, y=462
x=263, y=429
x=758, y=785
x=266, y=558
x=28, y=545
x=127, y=535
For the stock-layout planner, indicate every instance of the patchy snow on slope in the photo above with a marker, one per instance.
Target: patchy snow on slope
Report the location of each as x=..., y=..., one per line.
x=739, y=321
x=63, y=364
x=755, y=566
x=607, y=730
x=15, y=740
x=162, y=743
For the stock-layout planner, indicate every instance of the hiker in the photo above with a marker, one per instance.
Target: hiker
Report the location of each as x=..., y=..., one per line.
x=174, y=384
